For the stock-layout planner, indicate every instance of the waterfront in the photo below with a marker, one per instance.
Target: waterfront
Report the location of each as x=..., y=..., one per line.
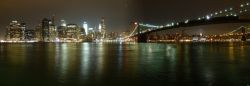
x=127, y=64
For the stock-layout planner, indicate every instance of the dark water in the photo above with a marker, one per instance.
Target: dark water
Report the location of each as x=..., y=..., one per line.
x=151, y=64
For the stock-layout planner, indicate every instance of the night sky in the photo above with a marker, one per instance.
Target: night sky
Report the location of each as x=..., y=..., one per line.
x=118, y=13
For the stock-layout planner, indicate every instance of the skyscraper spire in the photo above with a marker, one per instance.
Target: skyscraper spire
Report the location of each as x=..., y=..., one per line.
x=53, y=19
x=103, y=27
x=85, y=26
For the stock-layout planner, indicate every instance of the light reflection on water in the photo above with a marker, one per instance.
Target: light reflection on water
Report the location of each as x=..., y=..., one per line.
x=113, y=64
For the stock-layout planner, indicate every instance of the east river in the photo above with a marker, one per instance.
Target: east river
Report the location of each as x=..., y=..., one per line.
x=125, y=64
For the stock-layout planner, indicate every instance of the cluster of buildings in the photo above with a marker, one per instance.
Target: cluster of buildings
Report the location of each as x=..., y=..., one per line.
x=234, y=37
x=48, y=31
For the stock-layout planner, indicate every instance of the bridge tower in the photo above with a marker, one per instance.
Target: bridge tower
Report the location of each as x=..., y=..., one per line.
x=141, y=38
x=243, y=31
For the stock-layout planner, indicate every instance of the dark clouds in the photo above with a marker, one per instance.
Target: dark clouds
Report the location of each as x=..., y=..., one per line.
x=118, y=13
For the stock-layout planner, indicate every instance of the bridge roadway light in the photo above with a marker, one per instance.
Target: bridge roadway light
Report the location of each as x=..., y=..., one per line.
x=220, y=11
x=177, y=23
x=216, y=13
x=186, y=21
x=241, y=5
x=172, y=24
x=135, y=23
x=208, y=17
x=231, y=8
x=247, y=4
x=199, y=18
x=168, y=25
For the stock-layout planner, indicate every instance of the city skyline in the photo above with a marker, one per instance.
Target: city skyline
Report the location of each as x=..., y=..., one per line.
x=49, y=31
x=118, y=13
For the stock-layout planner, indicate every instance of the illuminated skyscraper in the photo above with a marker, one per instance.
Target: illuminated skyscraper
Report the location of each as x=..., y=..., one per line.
x=85, y=26
x=102, y=26
x=49, y=31
x=16, y=31
x=45, y=29
x=53, y=20
x=61, y=30
x=72, y=33
x=63, y=23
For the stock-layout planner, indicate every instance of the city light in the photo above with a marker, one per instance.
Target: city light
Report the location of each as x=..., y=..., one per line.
x=85, y=26
x=242, y=5
x=221, y=12
x=231, y=8
x=216, y=13
x=2, y=41
x=63, y=23
x=135, y=23
x=186, y=21
x=208, y=17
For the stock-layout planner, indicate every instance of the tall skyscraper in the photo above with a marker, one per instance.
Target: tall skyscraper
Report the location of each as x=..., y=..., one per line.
x=49, y=31
x=53, y=20
x=85, y=26
x=72, y=33
x=16, y=31
x=103, y=27
x=45, y=29
x=100, y=28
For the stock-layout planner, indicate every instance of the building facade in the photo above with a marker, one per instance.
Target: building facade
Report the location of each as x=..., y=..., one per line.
x=16, y=31
x=49, y=31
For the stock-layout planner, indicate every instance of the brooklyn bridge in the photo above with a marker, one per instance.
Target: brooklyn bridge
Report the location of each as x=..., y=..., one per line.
x=146, y=32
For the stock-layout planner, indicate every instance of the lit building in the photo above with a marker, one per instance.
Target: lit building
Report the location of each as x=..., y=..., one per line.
x=100, y=28
x=103, y=28
x=72, y=33
x=49, y=31
x=91, y=30
x=113, y=35
x=16, y=31
x=63, y=23
x=85, y=26
x=61, y=32
x=30, y=35
x=38, y=33
x=101, y=31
